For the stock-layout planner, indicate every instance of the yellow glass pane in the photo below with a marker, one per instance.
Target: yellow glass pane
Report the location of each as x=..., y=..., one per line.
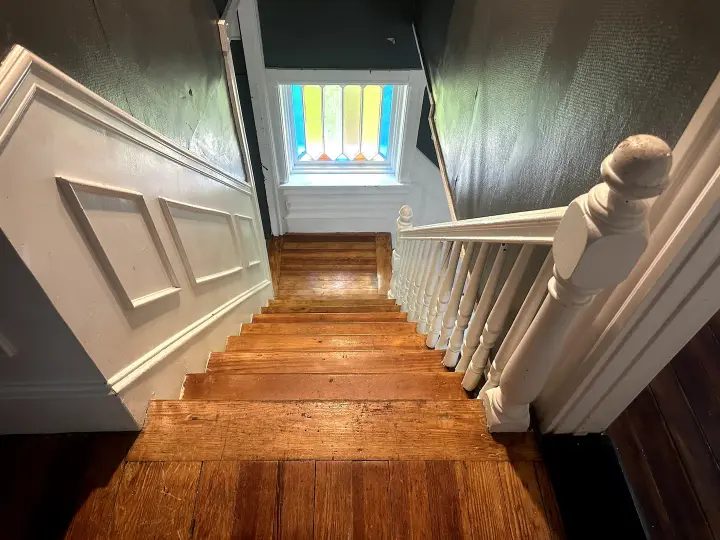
x=352, y=97
x=372, y=97
x=332, y=121
x=312, y=101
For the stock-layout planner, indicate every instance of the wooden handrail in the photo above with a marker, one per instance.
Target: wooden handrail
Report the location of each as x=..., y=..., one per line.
x=533, y=227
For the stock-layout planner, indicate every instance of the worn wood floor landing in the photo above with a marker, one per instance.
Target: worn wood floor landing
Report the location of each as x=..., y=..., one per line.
x=326, y=417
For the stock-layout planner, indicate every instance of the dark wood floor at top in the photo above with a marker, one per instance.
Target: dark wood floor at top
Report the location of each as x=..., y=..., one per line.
x=669, y=443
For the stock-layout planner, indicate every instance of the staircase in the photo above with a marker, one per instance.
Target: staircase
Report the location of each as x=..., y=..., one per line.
x=328, y=417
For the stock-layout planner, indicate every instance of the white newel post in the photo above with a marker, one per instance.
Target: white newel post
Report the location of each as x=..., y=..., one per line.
x=480, y=315
x=496, y=320
x=448, y=322
x=404, y=221
x=598, y=242
x=443, y=295
x=466, y=307
x=436, y=263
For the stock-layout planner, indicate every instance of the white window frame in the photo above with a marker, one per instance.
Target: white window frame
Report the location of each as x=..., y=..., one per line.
x=407, y=104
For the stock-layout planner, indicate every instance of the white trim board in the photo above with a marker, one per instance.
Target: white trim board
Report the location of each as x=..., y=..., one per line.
x=668, y=297
x=249, y=20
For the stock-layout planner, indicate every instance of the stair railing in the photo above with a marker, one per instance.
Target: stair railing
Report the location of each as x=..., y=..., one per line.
x=438, y=271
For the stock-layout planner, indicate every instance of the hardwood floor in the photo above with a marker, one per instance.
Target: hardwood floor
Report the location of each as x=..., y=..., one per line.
x=326, y=418
x=668, y=441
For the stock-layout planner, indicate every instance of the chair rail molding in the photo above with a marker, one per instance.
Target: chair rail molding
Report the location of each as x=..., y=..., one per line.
x=100, y=315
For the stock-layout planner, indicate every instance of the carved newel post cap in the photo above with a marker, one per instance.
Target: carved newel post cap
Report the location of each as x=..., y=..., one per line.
x=639, y=167
x=406, y=212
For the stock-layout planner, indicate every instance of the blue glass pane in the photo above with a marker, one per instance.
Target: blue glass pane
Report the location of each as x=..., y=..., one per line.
x=341, y=157
x=299, y=119
x=385, y=114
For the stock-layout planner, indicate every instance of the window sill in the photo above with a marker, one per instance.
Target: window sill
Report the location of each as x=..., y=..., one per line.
x=340, y=180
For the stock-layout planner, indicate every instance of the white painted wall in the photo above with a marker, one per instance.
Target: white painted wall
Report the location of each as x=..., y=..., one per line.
x=106, y=301
x=313, y=209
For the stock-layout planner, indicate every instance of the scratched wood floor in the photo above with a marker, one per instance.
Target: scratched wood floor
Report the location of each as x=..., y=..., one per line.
x=326, y=417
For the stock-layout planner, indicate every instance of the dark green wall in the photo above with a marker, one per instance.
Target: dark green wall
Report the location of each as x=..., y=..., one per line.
x=338, y=34
x=158, y=60
x=531, y=95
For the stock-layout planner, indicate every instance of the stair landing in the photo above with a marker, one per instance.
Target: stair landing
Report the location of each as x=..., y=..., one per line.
x=325, y=417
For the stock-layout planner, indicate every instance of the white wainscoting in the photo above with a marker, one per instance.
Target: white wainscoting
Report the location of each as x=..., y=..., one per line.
x=124, y=259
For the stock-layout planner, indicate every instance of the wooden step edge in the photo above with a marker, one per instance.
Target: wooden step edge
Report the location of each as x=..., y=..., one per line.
x=298, y=328
x=398, y=386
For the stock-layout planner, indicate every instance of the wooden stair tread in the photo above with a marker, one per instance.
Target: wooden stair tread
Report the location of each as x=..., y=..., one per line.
x=371, y=300
x=316, y=387
x=328, y=246
x=330, y=275
x=326, y=362
x=349, y=256
x=264, y=342
x=351, y=430
x=329, y=329
x=330, y=237
x=304, y=308
x=330, y=317
x=308, y=294
x=316, y=264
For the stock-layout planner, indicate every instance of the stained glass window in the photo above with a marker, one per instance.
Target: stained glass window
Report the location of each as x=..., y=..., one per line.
x=341, y=123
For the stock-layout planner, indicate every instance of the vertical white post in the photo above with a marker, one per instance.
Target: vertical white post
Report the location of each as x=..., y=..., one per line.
x=598, y=242
x=522, y=321
x=429, y=285
x=438, y=279
x=410, y=247
x=428, y=264
x=451, y=311
x=422, y=267
x=480, y=315
x=466, y=307
x=412, y=272
x=496, y=320
x=404, y=221
x=443, y=295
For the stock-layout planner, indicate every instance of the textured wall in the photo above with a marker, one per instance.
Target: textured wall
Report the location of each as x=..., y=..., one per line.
x=531, y=95
x=160, y=61
x=338, y=34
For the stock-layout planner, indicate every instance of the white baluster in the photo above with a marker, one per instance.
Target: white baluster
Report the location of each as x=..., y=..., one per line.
x=404, y=221
x=480, y=315
x=496, y=320
x=466, y=307
x=443, y=295
x=432, y=310
x=422, y=265
x=436, y=259
x=522, y=321
x=598, y=242
x=428, y=263
x=412, y=273
x=407, y=270
x=451, y=311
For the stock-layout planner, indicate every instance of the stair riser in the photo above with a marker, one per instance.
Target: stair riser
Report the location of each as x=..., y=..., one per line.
x=330, y=317
x=329, y=329
x=332, y=387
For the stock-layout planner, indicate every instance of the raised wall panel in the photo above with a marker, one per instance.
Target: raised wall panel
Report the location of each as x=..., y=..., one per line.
x=205, y=238
x=248, y=239
x=138, y=270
